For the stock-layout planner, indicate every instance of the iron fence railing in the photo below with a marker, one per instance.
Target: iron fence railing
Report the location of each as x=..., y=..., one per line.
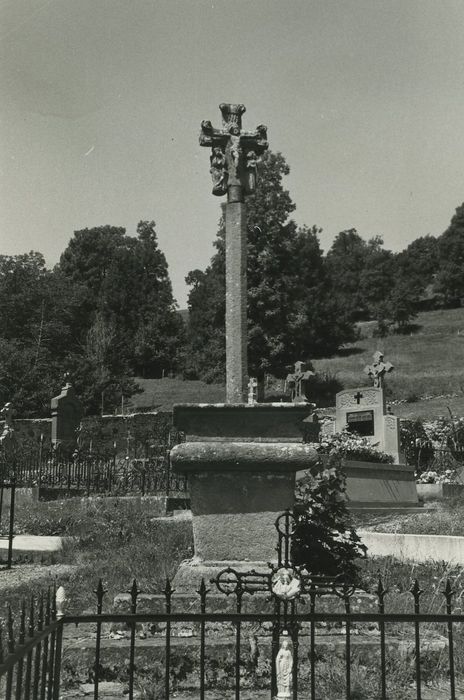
x=143, y=468
x=37, y=641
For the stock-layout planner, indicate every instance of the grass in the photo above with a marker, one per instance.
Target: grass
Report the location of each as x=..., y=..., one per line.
x=428, y=362
x=119, y=540
x=116, y=540
x=447, y=518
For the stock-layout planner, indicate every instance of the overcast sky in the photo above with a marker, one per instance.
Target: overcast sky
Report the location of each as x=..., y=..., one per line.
x=101, y=104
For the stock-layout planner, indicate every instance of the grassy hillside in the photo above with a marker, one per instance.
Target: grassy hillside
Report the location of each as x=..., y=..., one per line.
x=162, y=394
x=428, y=363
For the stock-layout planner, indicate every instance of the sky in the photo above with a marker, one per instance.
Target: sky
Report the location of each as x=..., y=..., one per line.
x=102, y=100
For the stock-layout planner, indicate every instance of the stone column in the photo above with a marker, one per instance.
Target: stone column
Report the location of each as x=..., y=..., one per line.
x=236, y=302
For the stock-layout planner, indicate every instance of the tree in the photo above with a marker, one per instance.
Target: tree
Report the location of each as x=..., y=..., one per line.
x=346, y=261
x=39, y=313
x=291, y=311
x=450, y=277
x=128, y=287
x=418, y=263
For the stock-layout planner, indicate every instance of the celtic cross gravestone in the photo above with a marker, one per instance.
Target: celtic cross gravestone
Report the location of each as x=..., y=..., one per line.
x=234, y=156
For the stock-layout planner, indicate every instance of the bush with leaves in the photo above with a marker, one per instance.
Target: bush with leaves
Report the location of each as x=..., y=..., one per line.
x=325, y=541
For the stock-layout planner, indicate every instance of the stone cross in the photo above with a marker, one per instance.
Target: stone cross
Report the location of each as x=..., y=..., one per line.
x=234, y=157
x=378, y=369
x=252, y=388
x=298, y=382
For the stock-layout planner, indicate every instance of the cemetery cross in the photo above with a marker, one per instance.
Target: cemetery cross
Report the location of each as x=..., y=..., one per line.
x=234, y=157
x=378, y=369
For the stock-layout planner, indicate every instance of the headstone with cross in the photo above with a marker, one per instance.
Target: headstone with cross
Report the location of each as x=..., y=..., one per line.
x=378, y=369
x=298, y=382
x=363, y=411
x=234, y=157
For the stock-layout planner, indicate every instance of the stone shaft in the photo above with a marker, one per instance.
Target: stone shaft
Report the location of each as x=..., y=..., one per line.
x=236, y=302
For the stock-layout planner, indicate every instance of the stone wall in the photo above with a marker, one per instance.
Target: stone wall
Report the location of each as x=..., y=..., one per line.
x=122, y=433
x=103, y=433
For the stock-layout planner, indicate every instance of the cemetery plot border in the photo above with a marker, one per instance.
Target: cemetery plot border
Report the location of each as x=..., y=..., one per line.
x=144, y=469
x=289, y=616
x=37, y=640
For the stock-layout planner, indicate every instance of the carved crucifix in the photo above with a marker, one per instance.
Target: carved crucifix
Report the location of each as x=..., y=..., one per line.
x=234, y=157
x=378, y=369
x=298, y=382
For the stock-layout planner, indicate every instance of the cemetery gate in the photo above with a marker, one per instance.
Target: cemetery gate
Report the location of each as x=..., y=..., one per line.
x=271, y=648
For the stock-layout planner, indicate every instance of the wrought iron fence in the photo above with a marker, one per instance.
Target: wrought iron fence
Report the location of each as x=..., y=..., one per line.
x=291, y=611
x=144, y=468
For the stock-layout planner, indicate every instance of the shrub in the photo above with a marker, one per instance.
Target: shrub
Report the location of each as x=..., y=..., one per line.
x=324, y=540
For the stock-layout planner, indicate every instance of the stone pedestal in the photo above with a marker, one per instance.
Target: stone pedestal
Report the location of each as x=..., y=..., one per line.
x=238, y=484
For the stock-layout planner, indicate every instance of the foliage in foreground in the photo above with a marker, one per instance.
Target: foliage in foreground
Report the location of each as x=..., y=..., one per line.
x=325, y=540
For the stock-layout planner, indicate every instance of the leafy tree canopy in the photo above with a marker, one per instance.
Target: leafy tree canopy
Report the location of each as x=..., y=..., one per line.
x=450, y=277
x=291, y=311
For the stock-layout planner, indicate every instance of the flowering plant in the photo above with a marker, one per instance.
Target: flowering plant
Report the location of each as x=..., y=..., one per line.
x=433, y=477
x=434, y=447
x=352, y=446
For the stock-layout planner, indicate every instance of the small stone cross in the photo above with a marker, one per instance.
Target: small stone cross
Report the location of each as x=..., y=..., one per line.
x=378, y=369
x=358, y=397
x=252, y=389
x=298, y=382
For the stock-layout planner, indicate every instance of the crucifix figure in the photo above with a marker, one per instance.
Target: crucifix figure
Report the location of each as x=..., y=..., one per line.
x=298, y=382
x=378, y=369
x=234, y=157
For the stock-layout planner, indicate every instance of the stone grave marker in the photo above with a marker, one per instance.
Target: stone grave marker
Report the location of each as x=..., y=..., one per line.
x=67, y=413
x=363, y=411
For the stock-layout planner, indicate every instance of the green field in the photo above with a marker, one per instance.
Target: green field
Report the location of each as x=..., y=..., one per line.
x=429, y=362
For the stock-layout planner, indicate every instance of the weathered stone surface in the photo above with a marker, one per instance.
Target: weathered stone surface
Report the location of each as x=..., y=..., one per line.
x=271, y=422
x=246, y=457
x=371, y=483
x=236, y=302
